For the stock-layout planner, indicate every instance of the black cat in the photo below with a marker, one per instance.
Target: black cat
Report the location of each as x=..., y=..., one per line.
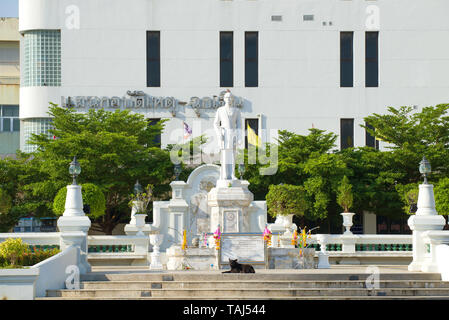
x=239, y=268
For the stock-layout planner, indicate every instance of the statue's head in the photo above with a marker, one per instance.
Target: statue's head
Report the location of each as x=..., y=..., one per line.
x=228, y=98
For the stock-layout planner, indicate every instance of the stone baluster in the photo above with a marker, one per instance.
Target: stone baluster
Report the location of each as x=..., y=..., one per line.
x=74, y=225
x=425, y=219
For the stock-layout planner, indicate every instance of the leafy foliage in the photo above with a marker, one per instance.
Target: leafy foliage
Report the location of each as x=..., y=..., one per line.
x=11, y=249
x=345, y=197
x=286, y=199
x=442, y=197
x=5, y=202
x=114, y=149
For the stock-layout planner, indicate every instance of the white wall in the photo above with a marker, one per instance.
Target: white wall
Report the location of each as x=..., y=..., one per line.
x=298, y=60
x=52, y=271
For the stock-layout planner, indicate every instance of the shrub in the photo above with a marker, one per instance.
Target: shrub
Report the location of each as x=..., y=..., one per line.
x=285, y=199
x=409, y=196
x=344, y=196
x=32, y=258
x=13, y=249
x=92, y=196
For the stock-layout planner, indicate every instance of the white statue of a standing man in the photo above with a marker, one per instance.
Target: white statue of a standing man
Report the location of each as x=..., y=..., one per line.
x=228, y=125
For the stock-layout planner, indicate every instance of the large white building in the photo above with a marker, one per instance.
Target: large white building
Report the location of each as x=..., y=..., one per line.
x=294, y=64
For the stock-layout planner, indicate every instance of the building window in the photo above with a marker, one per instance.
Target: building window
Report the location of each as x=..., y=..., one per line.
x=370, y=141
x=226, y=59
x=372, y=59
x=42, y=58
x=254, y=125
x=35, y=126
x=153, y=59
x=346, y=59
x=9, y=118
x=152, y=122
x=346, y=133
x=251, y=59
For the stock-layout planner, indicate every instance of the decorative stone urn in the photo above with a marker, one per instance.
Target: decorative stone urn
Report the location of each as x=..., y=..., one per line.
x=284, y=220
x=347, y=222
x=156, y=240
x=140, y=223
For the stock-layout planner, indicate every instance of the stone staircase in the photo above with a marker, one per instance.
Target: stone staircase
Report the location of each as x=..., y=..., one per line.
x=293, y=285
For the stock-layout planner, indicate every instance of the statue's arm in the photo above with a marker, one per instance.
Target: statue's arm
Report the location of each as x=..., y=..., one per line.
x=240, y=132
x=217, y=126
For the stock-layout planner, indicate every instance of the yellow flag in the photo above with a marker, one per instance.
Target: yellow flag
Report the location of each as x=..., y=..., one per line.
x=184, y=240
x=253, y=138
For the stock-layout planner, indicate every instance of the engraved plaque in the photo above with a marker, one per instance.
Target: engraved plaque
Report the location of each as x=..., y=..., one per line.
x=246, y=247
x=231, y=221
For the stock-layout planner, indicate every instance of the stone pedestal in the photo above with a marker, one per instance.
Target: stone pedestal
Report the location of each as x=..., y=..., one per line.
x=156, y=240
x=229, y=202
x=323, y=256
x=74, y=225
x=178, y=210
x=425, y=219
x=434, y=239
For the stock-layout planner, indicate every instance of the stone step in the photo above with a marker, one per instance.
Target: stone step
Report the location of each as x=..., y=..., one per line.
x=257, y=298
x=242, y=293
x=253, y=284
x=187, y=276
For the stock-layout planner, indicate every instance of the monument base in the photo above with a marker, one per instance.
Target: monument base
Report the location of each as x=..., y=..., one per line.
x=229, y=202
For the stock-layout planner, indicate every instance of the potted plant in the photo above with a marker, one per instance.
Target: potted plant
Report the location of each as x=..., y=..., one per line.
x=285, y=201
x=139, y=203
x=345, y=200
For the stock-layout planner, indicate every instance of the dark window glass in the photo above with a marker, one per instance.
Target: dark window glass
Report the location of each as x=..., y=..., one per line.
x=346, y=133
x=153, y=59
x=251, y=59
x=253, y=124
x=10, y=111
x=372, y=59
x=16, y=125
x=6, y=124
x=157, y=138
x=371, y=141
x=346, y=59
x=226, y=59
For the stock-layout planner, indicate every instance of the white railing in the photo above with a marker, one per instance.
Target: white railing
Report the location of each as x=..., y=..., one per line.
x=98, y=246
x=364, y=245
x=118, y=246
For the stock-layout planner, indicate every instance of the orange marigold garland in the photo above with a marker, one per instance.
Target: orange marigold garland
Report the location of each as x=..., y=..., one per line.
x=267, y=236
x=295, y=238
x=217, y=236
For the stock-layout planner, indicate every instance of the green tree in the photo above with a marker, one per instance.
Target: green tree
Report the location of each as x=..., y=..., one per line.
x=412, y=135
x=5, y=202
x=374, y=178
x=21, y=179
x=442, y=197
x=114, y=149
